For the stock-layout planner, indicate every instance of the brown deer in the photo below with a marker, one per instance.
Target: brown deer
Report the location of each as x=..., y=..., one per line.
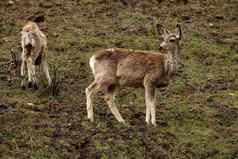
x=34, y=52
x=116, y=68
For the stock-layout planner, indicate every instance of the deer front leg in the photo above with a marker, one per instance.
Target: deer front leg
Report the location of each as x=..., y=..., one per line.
x=33, y=73
x=109, y=98
x=23, y=65
x=46, y=71
x=153, y=107
x=148, y=109
x=90, y=91
x=150, y=101
x=29, y=72
x=32, y=81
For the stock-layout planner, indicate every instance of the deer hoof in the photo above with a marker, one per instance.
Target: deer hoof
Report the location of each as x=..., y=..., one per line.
x=35, y=86
x=29, y=84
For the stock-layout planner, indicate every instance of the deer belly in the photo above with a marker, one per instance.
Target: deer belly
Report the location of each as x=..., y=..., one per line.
x=130, y=82
x=162, y=82
x=131, y=73
x=131, y=78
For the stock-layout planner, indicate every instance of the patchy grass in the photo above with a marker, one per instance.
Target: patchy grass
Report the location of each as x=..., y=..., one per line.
x=197, y=113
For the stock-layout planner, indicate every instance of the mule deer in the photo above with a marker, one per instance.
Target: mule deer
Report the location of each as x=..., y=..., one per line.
x=116, y=68
x=34, y=52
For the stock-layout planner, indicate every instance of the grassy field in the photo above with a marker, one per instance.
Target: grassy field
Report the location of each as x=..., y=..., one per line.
x=197, y=113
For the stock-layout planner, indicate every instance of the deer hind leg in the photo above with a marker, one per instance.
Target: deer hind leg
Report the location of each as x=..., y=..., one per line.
x=29, y=72
x=33, y=72
x=90, y=91
x=150, y=101
x=153, y=108
x=46, y=71
x=23, y=67
x=109, y=98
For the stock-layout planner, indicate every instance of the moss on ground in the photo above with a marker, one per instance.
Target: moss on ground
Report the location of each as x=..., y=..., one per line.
x=197, y=113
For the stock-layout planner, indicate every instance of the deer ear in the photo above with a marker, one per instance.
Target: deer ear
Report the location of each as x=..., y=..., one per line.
x=162, y=30
x=178, y=32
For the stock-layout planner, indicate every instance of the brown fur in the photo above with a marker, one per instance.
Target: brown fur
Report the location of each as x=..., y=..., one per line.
x=116, y=68
x=130, y=66
x=30, y=26
x=34, y=52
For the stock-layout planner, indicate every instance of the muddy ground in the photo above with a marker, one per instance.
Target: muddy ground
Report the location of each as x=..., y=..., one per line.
x=197, y=113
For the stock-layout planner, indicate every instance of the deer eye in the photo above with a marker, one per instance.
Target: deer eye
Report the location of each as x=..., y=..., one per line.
x=171, y=40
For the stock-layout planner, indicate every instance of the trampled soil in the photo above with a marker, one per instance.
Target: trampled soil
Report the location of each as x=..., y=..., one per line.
x=197, y=113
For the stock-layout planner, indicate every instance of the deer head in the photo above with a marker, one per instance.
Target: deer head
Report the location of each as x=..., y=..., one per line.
x=170, y=40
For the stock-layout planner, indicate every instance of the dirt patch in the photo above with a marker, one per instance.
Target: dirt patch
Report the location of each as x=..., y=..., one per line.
x=196, y=113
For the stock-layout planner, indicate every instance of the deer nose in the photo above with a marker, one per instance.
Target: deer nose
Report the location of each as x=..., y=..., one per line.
x=161, y=48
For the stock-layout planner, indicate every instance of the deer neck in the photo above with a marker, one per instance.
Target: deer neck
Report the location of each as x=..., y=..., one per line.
x=171, y=61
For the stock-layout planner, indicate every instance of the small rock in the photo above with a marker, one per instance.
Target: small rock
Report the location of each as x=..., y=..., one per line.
x=219, y=17
x=46, y=4
x=210, y=24
x=30, y=104
x=5, y=39
x=232, y=94
x=55, y=34
x=10, y=2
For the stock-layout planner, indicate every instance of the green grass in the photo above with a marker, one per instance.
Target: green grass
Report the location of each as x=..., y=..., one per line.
x=45, y=155
x=196, y=114
x=203, y=49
